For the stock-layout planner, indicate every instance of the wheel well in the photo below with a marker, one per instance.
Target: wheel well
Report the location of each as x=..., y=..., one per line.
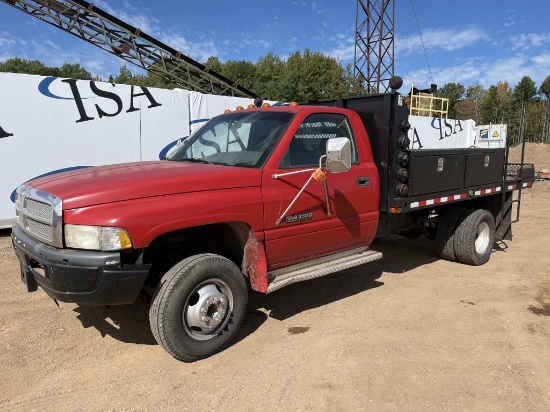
x=224, y=239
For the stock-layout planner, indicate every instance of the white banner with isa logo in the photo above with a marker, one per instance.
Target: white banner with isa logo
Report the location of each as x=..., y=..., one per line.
x=50, y=124
x=435, y=133
x=206, y=106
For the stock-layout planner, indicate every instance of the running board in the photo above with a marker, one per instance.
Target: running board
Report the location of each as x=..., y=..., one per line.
x=325, y=266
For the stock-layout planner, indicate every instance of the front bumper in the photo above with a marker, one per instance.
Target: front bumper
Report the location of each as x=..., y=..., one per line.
x=83, y=277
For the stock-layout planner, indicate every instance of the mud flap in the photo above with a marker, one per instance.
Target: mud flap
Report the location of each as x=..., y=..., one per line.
x=28, y=279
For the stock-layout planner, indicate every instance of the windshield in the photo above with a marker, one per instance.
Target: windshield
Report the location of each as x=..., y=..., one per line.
x=237, y=139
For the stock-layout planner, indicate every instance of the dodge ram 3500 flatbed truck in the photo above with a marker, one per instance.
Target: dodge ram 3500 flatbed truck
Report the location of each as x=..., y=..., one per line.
x=257, y=198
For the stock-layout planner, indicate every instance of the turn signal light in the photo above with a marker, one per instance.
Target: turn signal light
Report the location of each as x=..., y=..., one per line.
x=403, y=141
x=239, y=108
x=403, y=158
x=293, y=104
x=251, y=106
x=226, y=111
x=402, y=190
x=402, y=174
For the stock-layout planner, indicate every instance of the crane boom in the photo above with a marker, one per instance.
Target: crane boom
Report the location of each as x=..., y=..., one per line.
x=88, y=22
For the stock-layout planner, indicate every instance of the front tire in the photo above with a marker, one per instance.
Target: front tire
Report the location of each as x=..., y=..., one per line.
x=475, y=237
x=198, y=307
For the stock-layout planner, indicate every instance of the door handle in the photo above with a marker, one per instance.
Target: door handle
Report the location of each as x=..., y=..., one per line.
x=363, y=181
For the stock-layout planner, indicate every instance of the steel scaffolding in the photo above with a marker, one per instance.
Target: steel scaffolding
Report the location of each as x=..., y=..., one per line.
x=374, y=43
x=90, y=23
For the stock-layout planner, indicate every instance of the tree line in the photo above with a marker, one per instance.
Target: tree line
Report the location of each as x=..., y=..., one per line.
x=311, y=75
x=525, y=108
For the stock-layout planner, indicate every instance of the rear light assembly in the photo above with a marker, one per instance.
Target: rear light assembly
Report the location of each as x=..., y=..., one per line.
x=402, y=190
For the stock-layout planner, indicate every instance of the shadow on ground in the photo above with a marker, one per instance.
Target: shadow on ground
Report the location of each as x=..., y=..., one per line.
x=130, y=323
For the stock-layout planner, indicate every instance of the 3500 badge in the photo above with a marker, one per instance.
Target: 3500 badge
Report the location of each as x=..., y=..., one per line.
x=299, y=217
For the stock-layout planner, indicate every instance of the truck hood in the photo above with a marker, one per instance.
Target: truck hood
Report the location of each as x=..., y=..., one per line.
x=115, y=183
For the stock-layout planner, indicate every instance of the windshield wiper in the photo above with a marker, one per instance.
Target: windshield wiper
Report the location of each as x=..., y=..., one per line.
x=195, y=160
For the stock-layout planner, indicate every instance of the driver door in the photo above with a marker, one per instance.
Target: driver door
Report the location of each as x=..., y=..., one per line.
x=308, y=230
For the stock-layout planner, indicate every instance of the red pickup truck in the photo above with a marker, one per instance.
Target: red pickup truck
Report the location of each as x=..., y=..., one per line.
x=257, y=198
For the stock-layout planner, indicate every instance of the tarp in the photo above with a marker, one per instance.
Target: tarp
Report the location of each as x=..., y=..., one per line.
x=49, y=124
x=435, y=133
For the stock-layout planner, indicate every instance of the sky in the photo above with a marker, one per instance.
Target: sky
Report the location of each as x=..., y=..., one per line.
x=435, y=41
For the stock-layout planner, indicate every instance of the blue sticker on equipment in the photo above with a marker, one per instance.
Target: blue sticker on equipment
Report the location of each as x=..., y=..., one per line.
x=484, y=133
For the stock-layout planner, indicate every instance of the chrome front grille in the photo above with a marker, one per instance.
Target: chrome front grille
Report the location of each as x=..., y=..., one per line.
x=40, y=229
x=39, y=209
x=40, y=215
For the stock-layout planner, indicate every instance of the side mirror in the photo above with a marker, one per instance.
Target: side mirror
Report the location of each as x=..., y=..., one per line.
x=338, y=155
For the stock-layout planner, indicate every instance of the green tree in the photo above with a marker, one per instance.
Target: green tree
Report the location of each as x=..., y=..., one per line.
x=544, y=89
x=475, y=94
x=525, y=91
x=18, y=65
x=356, y=85
x=215, y=64
x=124, y=76
x=536, y=116
x=465, y=109
x=496, y=104
x=470, y=106
x=311, y=76
x=269, y=70
x=74, y=71
x=454, y=92
x=242, y=72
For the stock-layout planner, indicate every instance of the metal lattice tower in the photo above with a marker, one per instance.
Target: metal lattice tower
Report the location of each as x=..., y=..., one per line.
x=374, y=43
x=90, y=23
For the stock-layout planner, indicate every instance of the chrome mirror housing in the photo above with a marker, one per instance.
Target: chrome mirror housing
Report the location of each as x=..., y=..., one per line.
x=338, y=155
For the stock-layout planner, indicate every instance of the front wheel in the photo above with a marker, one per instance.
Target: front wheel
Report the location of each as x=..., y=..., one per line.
x=198, y=306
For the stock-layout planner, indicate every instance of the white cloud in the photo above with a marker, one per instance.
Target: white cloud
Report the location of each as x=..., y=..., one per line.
x=344, y=50
x=529, y=41
x=197, y=51
x=510, y=69
x=7, y=42
x=145, y=23
x=252, y=42
x=542, y=62
x=439, y=39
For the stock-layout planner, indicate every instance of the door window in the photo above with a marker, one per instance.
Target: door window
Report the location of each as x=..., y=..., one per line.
x=309, y=143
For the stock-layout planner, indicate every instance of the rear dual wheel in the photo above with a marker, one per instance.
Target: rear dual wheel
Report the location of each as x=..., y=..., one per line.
x=466, y=235
x=474, y=237
x=446, y=229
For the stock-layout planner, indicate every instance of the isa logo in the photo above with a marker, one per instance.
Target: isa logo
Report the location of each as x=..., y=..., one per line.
x=3, y=133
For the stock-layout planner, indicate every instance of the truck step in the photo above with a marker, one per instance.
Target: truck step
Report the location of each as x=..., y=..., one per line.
x=321, y=267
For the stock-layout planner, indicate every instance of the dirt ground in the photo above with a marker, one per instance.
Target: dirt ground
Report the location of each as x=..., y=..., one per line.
x=409, y=332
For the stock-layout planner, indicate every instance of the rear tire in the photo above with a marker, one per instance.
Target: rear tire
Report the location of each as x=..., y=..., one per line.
x=446, y=228
x=198, y=307
x=475, y=237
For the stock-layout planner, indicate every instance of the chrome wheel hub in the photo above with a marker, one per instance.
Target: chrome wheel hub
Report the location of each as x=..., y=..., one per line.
x=482, y=238
x=207, y=309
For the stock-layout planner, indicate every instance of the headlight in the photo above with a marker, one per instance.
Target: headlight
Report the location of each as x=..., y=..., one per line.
x=96, y=238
